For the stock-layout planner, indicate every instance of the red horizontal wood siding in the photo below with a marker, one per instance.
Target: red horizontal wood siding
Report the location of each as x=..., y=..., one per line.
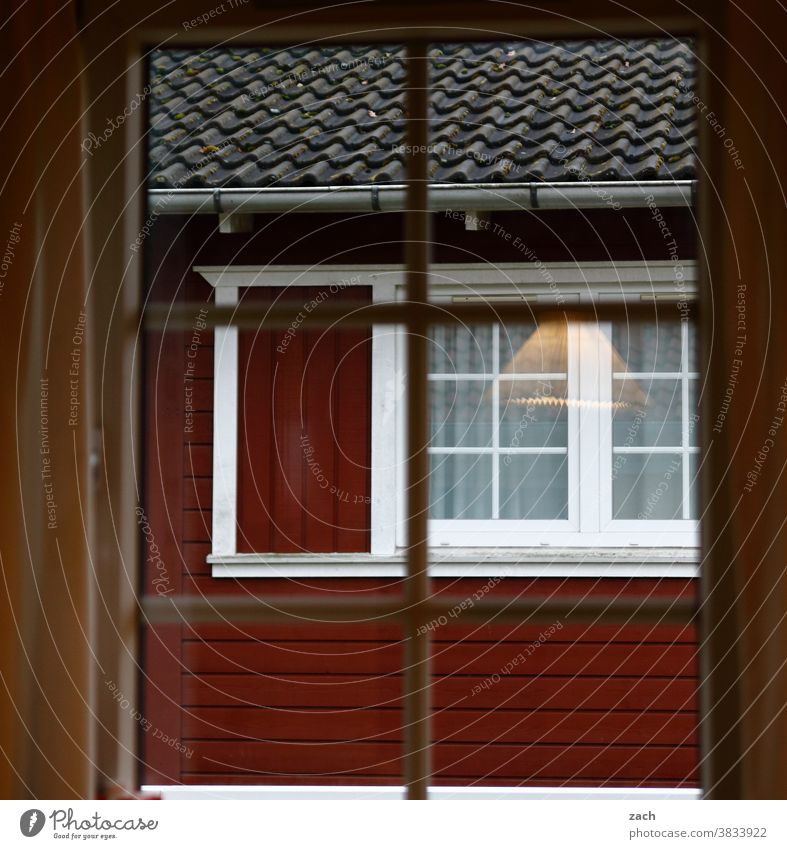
x=593, y=705
x=485, y=763
x=360, y=691
x=468, y=725
x=160, y=519
x=603, y=705
x=459, y=658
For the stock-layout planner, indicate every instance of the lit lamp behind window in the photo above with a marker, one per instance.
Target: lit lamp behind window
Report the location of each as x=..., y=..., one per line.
x=546, y=352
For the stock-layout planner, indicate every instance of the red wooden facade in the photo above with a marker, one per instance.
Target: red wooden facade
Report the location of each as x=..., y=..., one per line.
x=304, y=419
x=591, y=706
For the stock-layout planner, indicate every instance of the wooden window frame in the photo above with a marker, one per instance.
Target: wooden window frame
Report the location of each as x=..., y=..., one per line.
x=723, y=770
x=741, y=563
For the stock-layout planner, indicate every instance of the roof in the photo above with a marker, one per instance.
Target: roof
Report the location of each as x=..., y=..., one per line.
x=508, y=112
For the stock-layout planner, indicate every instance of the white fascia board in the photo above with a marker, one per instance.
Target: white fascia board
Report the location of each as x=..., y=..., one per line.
x=610, y=275
x=220, y=276
x=514, y=197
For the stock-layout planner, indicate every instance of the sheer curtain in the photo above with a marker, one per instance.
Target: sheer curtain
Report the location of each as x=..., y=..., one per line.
x=499, y=422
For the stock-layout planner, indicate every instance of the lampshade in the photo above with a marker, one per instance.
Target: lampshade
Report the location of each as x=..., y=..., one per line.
x=546, y=351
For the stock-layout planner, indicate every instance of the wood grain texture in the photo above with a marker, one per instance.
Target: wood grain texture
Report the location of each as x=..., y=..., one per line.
x=585, y=762
x=304, y=436
x=469, y=725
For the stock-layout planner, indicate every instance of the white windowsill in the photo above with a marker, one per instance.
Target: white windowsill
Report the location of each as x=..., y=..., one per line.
x=312, y=793
x=631, y=562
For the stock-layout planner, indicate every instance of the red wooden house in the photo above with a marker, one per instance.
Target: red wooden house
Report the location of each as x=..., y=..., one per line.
x=563, y=456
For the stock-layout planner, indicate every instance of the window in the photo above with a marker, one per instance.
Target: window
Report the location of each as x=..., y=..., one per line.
x=418, y=588
x=500, y=423
x=654, y=430
x=550, y=435
x=558, y=435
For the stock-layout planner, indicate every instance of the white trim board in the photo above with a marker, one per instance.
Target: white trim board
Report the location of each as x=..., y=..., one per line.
x=225, y=430
x=172, y=792
x=605, y=277
x=518, y=563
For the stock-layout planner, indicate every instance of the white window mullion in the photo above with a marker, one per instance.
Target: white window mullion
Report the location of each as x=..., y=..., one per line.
x=401, y=424
x=573, y=442
x=684, y=384
x=595, y=491
x=385, y=394
x=496, y=421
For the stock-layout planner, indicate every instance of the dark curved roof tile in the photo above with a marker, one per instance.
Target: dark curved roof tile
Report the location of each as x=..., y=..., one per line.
x=500, y=112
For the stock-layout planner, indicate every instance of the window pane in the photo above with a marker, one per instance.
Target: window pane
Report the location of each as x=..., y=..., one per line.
x=647, y=486
x=534, y=486
x=646, y=412
x=534, y=349
x=461, y=413
x=694, y=413
x=460, y=486
x=461, y=350
x=694, y=349
x=694, y=486
x=646, y=347
x=533, y=413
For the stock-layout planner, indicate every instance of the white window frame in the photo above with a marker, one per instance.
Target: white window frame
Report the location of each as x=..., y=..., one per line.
x=507, y=532
x=590, y=454
x=647, y=549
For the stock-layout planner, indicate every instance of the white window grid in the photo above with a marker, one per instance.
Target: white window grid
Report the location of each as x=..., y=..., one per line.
x=496, y=532
x=688, y=381
x=494, y=378
x=590, y=522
